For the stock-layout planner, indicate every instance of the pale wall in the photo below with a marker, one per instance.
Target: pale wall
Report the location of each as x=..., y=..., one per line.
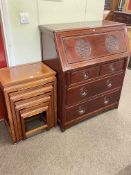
x=26, y=41
x=61, y=11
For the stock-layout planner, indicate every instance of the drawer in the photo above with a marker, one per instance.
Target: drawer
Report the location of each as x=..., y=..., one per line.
x=91, y=106
x=112, y=67
x=79, y=93
x=84, y=74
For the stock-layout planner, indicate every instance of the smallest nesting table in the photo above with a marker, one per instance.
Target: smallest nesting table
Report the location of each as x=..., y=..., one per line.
x=29, y=93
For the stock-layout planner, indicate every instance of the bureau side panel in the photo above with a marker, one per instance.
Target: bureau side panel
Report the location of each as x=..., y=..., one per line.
x=51, y=58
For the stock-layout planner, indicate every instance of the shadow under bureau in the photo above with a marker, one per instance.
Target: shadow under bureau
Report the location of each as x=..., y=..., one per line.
x=90, y=59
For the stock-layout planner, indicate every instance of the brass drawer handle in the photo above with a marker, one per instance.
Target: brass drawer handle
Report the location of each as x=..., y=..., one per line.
x=112, y=68
x=81, y=110
x=106, y=101
x=83, y=92
x=109, y=83
x=85, y=75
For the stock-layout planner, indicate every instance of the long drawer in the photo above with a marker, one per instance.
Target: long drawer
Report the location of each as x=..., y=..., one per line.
x=80, y=93
x=92, y=105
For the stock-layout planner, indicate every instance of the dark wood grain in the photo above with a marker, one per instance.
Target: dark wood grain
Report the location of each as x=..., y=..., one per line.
x=112, y=67
x=92, y=105
x=83, y=75
x=82, y=92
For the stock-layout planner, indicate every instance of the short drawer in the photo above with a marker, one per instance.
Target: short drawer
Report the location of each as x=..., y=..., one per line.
x=90, y=106
x=112, y=67
x=80, y=93
x=84, y=74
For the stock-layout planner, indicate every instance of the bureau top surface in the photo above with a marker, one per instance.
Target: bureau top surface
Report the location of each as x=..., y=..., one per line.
x=24, y=72
x=78, y=25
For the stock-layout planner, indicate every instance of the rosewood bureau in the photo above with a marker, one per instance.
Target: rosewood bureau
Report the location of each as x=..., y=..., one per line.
x=90, y=59
x=30, y=93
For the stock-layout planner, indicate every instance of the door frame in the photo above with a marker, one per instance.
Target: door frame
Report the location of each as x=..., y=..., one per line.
x=7, y=36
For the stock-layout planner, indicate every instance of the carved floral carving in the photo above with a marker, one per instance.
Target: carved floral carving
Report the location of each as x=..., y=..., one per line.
x=83, y=48
x=111, y=43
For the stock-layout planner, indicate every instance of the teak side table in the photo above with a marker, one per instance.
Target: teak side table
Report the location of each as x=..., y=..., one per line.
x=29, y=90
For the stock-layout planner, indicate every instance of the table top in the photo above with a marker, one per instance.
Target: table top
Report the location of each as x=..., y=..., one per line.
x=24, y=72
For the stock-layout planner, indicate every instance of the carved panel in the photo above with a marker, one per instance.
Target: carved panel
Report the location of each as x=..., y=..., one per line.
x=112, y=44
x=83, y=48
